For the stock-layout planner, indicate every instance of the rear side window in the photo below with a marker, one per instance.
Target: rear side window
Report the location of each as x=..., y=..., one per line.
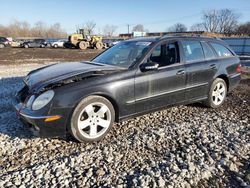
x=2, y=39
x=192, y=51
x=208, y=52
x=221, y=50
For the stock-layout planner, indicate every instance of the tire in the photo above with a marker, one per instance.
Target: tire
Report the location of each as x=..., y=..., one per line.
x=83, y=45
x=2, y=46
x=217, y=93
x=99, y=45
x=42, y=46
x=92, y=119
x=26, y=46
x=55, y=46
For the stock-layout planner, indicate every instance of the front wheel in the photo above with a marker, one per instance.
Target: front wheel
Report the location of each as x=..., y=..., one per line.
x=217, y=93
x=92, y=119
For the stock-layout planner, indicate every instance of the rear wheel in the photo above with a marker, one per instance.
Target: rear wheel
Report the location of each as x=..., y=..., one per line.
x=26, y=46
x=2, y=46
x=92, y=119
x=55, y=46
x=83, y=45
x=99, y=45
x=217, y=93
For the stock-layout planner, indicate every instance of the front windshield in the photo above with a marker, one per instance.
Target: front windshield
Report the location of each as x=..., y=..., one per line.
x=123, y=54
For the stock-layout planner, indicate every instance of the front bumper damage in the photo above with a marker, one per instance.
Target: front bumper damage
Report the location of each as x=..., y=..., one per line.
x=36, y=120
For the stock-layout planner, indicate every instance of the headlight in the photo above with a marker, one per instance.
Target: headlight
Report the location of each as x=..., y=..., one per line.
x=30, y=101
x=42, y=100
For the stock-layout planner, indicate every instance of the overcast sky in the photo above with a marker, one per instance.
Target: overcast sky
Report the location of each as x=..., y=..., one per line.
x=155, y=15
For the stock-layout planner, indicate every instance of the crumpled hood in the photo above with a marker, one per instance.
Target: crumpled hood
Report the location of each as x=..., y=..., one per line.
x=62, y=71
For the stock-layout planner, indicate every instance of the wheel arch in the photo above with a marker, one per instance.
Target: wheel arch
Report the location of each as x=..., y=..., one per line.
x=106, y=96
x=113, y=102
x=225, y=78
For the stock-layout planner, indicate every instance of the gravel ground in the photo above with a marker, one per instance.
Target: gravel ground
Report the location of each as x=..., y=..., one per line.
x=185, y=146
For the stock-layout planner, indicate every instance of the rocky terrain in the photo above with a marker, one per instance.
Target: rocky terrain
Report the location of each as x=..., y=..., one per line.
x=185, y=146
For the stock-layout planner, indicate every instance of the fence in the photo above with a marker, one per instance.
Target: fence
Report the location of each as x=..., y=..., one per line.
x=240, y=45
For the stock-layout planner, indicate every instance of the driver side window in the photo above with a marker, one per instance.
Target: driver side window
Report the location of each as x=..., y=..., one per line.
x=165, y=54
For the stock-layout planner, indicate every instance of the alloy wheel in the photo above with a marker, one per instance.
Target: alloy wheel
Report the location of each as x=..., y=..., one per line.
x=219, y=93
x=94, y=120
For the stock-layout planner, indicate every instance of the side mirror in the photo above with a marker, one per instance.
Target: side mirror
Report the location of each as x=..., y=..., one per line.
x=149, y=66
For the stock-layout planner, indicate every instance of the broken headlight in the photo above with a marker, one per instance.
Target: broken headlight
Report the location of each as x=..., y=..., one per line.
x=42, y=100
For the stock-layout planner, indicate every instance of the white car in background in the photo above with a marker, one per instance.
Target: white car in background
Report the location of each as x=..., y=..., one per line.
x=59, y=43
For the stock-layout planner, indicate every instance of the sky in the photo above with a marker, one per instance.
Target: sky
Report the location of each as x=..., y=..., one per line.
x=155, y=15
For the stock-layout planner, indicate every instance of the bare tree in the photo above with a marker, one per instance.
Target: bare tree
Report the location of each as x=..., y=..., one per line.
x=55, y=30
x=138, y=27
x=221, y=21
x=197, y=27
x=89, y=27
x=211, y=20
x=228, y=21
x=109, y=30
x=178, y=27
x=244, y=29
x=39, y=29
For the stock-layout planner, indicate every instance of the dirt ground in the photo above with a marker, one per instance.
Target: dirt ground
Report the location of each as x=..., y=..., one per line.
x=44, y=55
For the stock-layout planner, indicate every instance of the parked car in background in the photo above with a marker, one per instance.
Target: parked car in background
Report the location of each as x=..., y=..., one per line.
x=59, y=43
x=16, y=43
x=36, y=43
x=3, y=42
x=111, y=42
x=107, y=42
x=48, y=42
x=132, y=78
x=116, y=41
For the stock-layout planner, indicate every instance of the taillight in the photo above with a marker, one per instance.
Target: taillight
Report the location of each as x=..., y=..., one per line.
x=238, y=69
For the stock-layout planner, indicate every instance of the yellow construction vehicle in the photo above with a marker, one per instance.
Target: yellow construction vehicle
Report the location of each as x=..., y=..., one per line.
x=83, y=41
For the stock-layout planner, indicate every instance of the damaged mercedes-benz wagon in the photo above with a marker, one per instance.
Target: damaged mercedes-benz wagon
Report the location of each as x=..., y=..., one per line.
x=134, y=77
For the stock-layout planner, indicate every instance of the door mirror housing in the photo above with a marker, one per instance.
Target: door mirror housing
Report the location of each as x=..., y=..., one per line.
x=149, y=66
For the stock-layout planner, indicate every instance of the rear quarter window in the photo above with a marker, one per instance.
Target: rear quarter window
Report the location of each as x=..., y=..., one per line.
x=208, y=52
x=221, y=50
x=192, y=51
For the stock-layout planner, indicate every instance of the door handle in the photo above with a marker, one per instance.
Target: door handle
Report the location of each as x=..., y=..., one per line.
x=213, y=66
x=180, y=72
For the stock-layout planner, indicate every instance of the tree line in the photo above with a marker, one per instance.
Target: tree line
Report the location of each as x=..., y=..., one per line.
x=222, y=21
x=39, y=29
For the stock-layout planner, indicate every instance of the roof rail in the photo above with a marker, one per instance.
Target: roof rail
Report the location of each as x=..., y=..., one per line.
x=184, y=34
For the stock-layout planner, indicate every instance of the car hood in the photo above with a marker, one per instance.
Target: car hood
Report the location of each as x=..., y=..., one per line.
x=57, y=73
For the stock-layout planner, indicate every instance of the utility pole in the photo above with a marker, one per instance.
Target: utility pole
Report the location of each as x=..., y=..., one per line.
x=128, y=28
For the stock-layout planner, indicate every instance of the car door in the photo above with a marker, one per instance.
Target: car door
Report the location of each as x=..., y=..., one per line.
x=38, y=43
x=164, y=86
x=32, y=44
x=201, y=65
